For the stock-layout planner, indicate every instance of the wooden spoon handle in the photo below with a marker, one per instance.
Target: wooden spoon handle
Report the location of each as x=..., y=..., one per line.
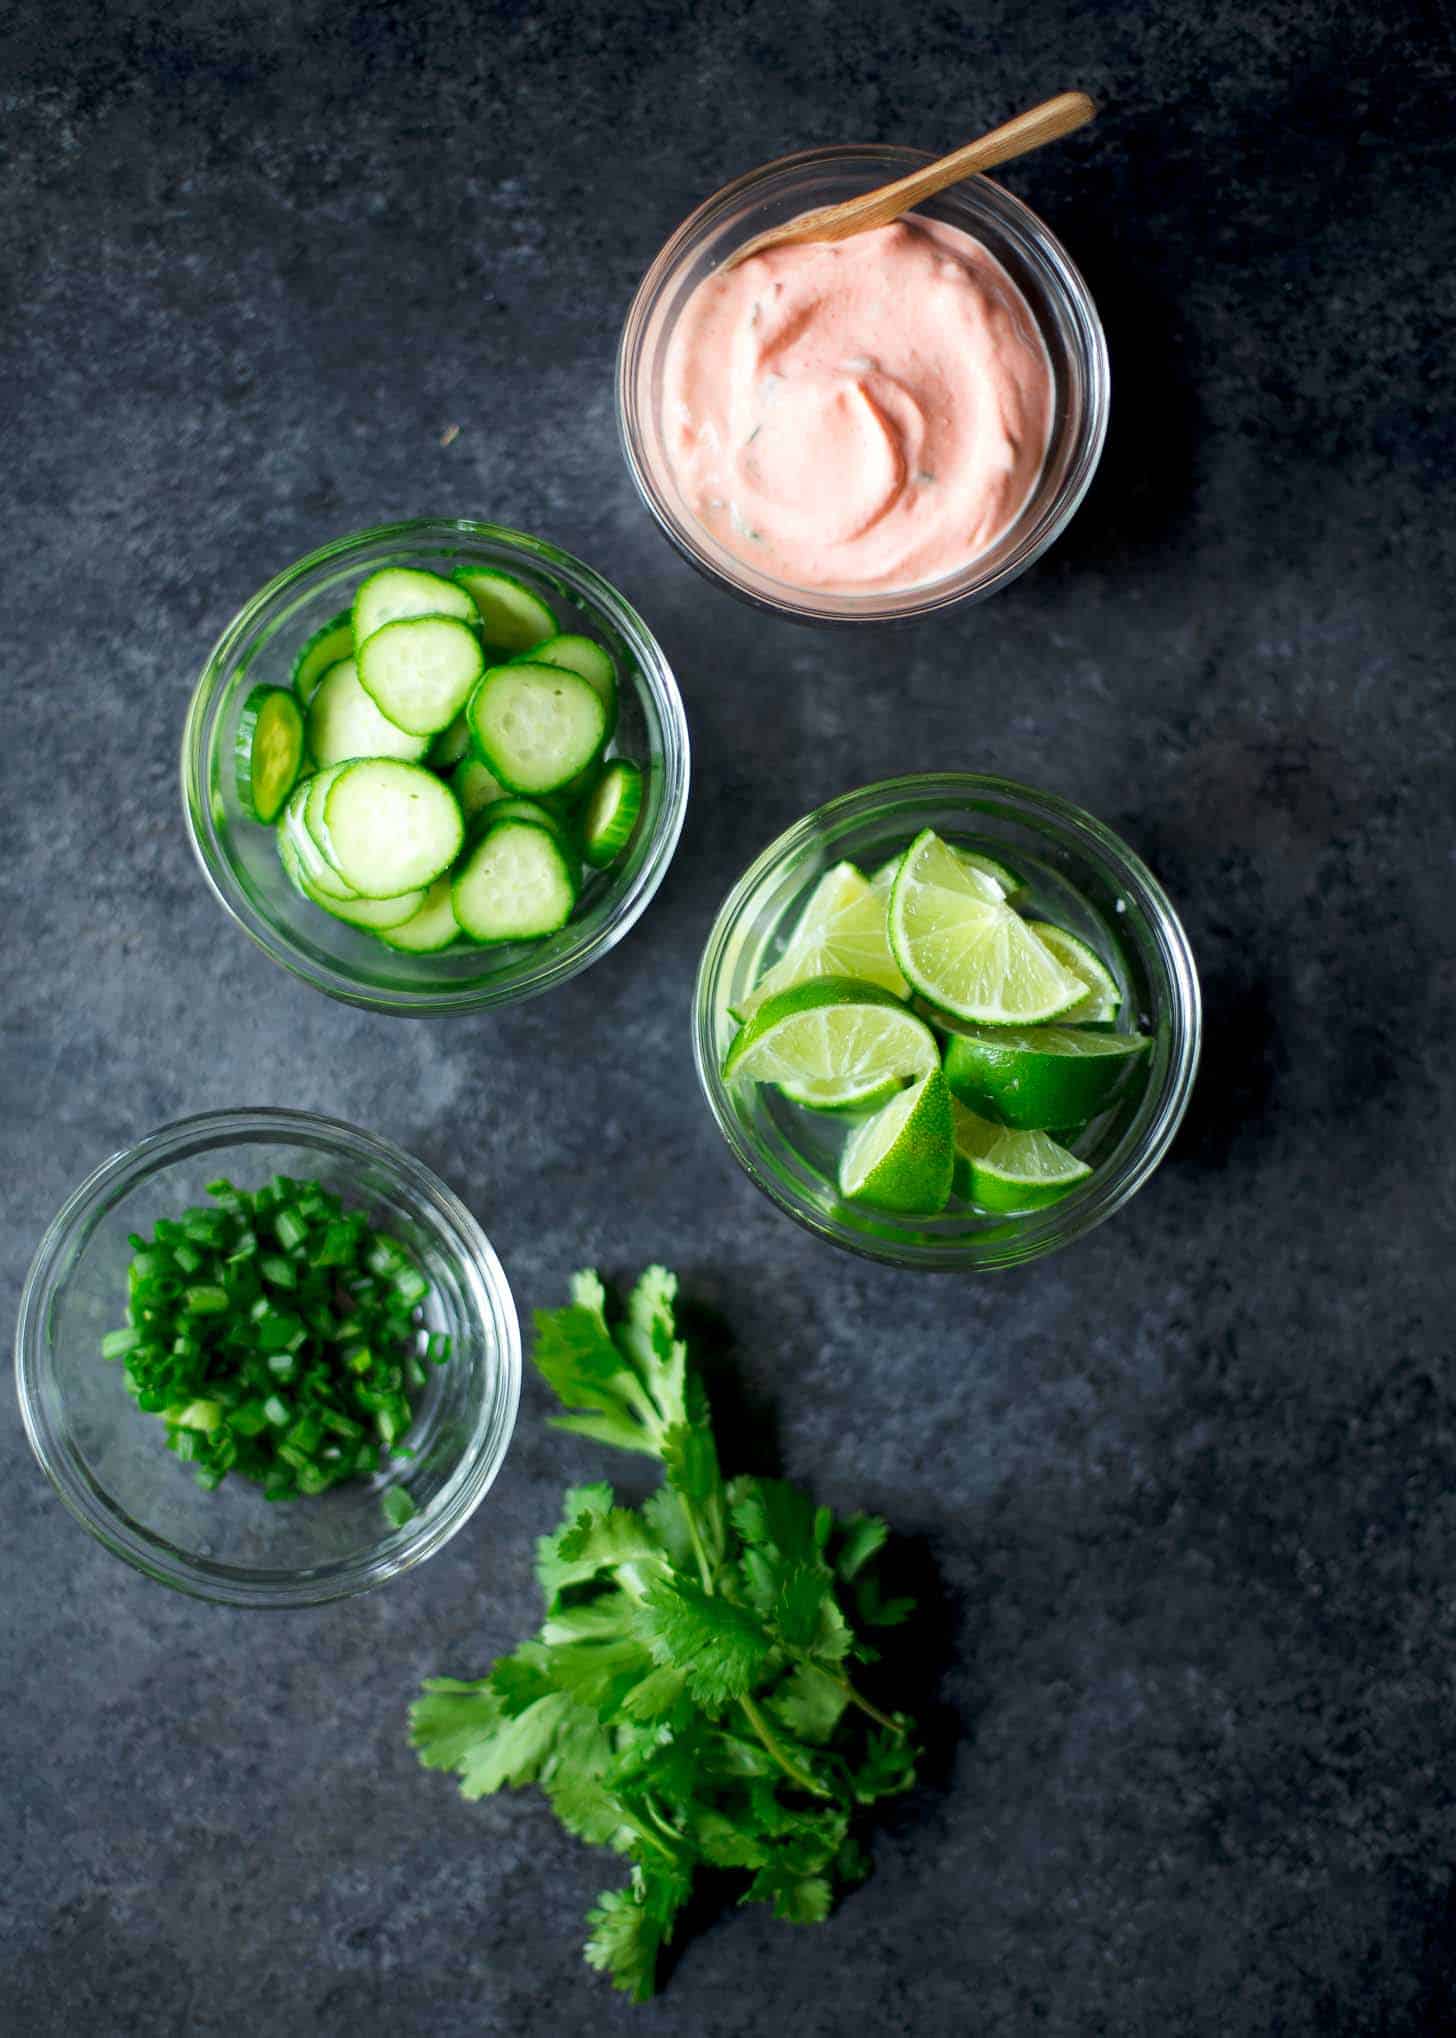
x=1030, y=130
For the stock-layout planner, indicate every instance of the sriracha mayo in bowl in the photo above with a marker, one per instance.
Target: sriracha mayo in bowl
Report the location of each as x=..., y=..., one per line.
x=869, y=429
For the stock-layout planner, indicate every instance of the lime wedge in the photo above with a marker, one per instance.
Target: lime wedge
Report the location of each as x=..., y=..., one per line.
x=1009, y=882
x=1005, y=1171
x=844, y=1037
x=1102, y=999
x=962, y=947
x=841, y=933
x=867, y=1093
x=904, y=1157
x=1038, y=1077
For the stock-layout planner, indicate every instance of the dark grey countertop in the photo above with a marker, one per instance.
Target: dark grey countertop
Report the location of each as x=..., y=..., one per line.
x=1187, y=1488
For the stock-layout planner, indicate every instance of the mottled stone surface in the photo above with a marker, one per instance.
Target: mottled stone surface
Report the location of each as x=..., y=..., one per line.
x=1188, y=1487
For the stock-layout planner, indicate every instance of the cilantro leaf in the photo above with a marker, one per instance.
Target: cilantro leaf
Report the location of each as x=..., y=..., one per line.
x=487, y=1747
x=629, y=1927
x=797, y=1899
x=888, y=1767
x=863, y=1536
x=720, y=1648
x=451, y=1718
x=810, y=1703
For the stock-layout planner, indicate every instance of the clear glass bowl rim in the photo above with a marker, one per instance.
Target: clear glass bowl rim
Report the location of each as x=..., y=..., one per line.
x=884, y=607
x=531, y=979
x=1038, y=1232
x=201, y=1579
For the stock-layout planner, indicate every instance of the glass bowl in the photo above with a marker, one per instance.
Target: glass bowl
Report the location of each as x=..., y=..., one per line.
x=1081, y=876
x=108, y=1460
x=239, y=859
x=1026, y=248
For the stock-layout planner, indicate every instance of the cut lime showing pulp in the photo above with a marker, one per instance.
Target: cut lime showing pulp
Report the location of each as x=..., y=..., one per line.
x=1006, y=880
x=1038, y=1077
x=813, y=1093
x=904, y=1157
x=1102, y=998
x=840, y=1035
x=841, y=933
x=1006, y=1171
x=962, y=947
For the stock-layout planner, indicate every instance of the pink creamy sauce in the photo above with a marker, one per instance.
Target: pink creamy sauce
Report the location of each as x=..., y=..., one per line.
x=858, y=415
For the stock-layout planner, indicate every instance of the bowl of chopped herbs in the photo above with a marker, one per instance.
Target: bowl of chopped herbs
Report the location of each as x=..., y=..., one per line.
x=267, y=1358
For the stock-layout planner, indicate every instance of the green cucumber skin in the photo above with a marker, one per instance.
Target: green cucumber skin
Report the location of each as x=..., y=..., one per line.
x=314, y=660
x=264, y=805
x=604, y=841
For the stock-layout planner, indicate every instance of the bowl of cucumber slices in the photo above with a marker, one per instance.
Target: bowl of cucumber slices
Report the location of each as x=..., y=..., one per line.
x=435, y=766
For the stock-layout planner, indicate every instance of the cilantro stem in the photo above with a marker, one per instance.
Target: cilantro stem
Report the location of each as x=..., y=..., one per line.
x=785, y=1761
x=705, y=1569
x=858, y=1698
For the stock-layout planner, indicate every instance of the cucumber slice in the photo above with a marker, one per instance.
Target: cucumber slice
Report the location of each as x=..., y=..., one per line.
x=315, y=872
x=388, y=827
x=511, y=617
x=429, y=930
x=611, y=813
x=536, y=726
x=510, y=809
x=420, y=671
x=344, y=723
x=475, y=786
x=269, y=751
x=515, y=885
x=398, y=591
x=377, y=915
x=584, y=656
x=450, y=745
x=323, y=649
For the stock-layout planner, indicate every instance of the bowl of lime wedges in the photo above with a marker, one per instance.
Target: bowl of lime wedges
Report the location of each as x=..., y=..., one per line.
x=948, y=1022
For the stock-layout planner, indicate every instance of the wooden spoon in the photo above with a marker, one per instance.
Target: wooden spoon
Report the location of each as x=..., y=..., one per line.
x=1030, y=130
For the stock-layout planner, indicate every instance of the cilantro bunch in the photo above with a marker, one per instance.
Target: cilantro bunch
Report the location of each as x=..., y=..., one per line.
x=688, y=1699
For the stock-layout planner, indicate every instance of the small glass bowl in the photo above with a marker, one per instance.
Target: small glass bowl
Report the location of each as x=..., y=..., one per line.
x=1083, y=877
x=109, y=1461
x=1036, y=261
x=239, y=857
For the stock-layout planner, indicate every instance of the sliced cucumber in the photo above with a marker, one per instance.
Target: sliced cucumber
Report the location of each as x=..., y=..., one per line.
x=475, y=786
x=511, y=617
x=611, y=813
x=398, y=591
x=420, y=671
x=515, y=885
x=429, y=930
x=269, y=751
x=583, y=655
x=323, y=649
x=512, y=809
x=343, y=722
x=450, y=745
x=536, y=726
x=377, y=915
x=316, y=873
x=388, y=827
